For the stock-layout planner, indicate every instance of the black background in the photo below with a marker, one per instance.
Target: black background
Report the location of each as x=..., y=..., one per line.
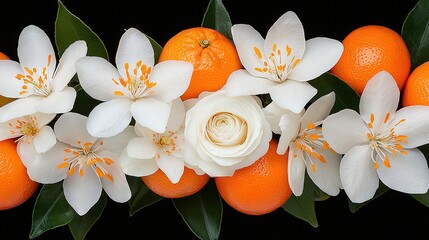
x=394, y=215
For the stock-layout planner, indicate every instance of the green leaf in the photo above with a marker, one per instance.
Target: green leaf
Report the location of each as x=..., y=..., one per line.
x=302, y=207
x=217, y=17
x=51, y=210
x=80, y=225
x=202, y=211
x=380, y=191
x=156, y=48
x=345, y=96
x=69, y=28
x=415, y=32
x=422, y=198
x=141, y=195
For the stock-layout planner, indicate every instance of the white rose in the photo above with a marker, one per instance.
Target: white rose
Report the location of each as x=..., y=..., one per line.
x=225, y=133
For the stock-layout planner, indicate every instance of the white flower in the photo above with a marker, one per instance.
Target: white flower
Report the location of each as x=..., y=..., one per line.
x=30, y=130
x=151, y=151
x=380, y=143
x=224, y=133
x=86, y=164
x=136, y=89
x=302, y=134
x=36, y=83
x=282, y=63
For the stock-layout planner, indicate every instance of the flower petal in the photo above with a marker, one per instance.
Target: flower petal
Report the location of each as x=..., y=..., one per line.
x=9, y=85
x=415, y=126
x=241, y=83
x=318, y=110
x=7, y=131
x=296, y=170
x=321, y=54
x=344, y=130
x=273, y=113
x=133, y=47
x=43, y=118
x=177, y=115
x=408, y=173
x=58, y=102
x=71, y=128
x=45, y=139
x=19, y=108
x=119, y=142
x=171, y=166
x=118, y=189
x=250, y=49
x=82, y=192
x=141, y=148
x=289, y=125
x=327, y=174
x=293, y=95
x=215, y=170
x=96, y=77
x=137, y=167
x=172, y=78
x=66, y=68
x=109, y=118
x=379, y=98
x=35, y=50
x=43, y=167
x=151, y=113
x=286, y=33
x=358, y=175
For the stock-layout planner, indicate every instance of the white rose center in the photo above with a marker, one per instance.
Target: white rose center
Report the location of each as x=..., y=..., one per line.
x=226, y=129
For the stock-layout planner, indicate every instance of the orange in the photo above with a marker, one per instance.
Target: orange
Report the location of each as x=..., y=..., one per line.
x=416, y=90
x=3, y=56
x=15, y=185
x=369, y=50
x=213, y=55
x=259, y=188
x=189, y=183
x=4, y=100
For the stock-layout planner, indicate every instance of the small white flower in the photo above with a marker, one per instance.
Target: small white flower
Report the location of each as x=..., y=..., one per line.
x=302, y=134
x=30, y=130
x=380, y=143
x=224, y=133
x=135, y=89
x=151, y=151
x=86, y=164
x=36, y=83
x=281, y=64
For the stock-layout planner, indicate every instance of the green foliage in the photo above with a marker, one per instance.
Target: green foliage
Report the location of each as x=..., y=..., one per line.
x=217, y=17
x=380, y=191
x=141, y=195
x=51, y=210
x=202, y=212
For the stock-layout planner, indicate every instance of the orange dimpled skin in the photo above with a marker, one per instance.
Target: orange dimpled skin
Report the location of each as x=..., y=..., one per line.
x=16, y=187
x=3, y=56
x=369, y=50
x=189, y=183
x=416, y=90
x=213, y=55
x=259, y=188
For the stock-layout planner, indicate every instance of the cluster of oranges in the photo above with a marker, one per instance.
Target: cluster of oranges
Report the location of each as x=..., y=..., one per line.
x=262, y=187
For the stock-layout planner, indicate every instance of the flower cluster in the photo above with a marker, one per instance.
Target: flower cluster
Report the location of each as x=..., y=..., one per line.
x=141, y=125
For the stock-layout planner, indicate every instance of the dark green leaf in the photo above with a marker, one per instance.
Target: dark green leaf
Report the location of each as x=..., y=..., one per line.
x=141, y=196
x=84, y=103
x=217, y=17
x=156, y=48
x=80, y=225
x=345, y=96
x=422, y=198
x=380, y=191
x=415, y=32
x=51, y=210
x=320, y=195
x=69, y=28
x=202, y=211
x=302, y=207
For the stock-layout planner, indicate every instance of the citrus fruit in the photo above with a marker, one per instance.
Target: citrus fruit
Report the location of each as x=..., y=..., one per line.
x=3, y=56
x=4, y=100
x=416, y=90
x=259, y=188
x=15, y=185
x=368, y=50
x=213, y=55
x=189, y=183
